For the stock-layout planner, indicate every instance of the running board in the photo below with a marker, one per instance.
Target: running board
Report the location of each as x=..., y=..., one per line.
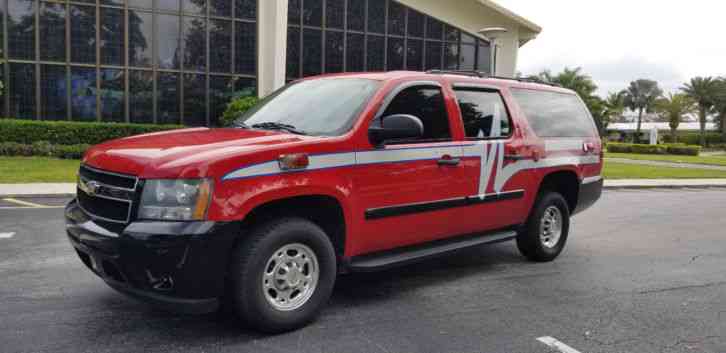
x=409, y=255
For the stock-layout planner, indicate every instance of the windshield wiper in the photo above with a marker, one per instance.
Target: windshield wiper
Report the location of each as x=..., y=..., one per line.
x=279, y=126
x=241, y=125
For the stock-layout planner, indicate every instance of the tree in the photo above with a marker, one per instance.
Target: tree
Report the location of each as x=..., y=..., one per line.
x=641, y=96
x=672, y=108
x=704, y=91
x=614, y=106
x=720, y=106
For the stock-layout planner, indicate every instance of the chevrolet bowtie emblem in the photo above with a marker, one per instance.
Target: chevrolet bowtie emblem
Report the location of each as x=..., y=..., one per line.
x=91, y=187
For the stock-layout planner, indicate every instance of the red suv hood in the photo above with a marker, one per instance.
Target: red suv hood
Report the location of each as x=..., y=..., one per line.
x=182, y=153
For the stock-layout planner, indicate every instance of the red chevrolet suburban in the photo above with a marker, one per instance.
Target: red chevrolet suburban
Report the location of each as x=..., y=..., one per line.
x=334, y=174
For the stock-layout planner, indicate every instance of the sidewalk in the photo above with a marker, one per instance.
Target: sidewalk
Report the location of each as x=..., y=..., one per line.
x=69, y=189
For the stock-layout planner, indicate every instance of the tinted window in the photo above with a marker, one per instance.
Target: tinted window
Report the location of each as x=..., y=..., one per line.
x=330, y=105
x=141, y=100
x=53, y=30
x=195, y=43
x=83, y=34
x=21, y=29
x=356, y=58
x=220, y=45
x=168, y=41
x=112, y=36
x=245, y=48
x=312, y=52
x=53, y=92
x=334, y=45
x=141, y=30
x=483, y=113
x=112, y=95
x=83, y=93
x=427, y=104
x=555, y=114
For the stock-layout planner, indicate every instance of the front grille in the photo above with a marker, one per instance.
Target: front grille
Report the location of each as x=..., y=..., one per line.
x=108, y=178
x=105, y=195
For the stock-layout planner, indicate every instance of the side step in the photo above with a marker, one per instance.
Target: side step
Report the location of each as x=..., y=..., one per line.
x=404, y=256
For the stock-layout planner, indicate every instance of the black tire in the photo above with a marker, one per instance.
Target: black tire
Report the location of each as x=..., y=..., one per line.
x=530, y=243
x=246, y=291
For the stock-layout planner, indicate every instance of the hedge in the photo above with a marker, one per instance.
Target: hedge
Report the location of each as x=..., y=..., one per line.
x=71, y=133
x=43, y=149
x=675, y=148
x=694, y=138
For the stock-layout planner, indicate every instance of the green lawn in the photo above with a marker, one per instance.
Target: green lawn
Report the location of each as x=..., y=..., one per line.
x=37, y=170
x=713, y=160
x=634, y=171
x=50, y=170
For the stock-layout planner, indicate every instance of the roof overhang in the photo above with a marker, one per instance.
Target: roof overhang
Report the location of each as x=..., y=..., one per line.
x=528, y=29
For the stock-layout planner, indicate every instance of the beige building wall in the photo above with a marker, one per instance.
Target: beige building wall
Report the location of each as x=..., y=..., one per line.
x=469, y=15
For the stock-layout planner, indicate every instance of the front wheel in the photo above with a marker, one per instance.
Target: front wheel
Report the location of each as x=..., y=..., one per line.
x=282, y=275
x=544, y=235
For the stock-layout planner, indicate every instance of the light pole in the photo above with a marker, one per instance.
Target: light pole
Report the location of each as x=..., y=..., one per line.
x=493, y=33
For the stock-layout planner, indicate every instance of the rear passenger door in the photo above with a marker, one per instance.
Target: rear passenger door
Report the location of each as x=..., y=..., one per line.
x=493, y=149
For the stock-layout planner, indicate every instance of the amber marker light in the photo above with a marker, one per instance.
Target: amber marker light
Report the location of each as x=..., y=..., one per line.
x=203, y=198
x=295, y=161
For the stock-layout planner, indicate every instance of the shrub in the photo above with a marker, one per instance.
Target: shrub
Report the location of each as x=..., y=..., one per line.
x=694, y=138
x=683, y=150
x=236, y=108
x=616, y=147
x=648, y=149
x=43, y=149
x=71, y=133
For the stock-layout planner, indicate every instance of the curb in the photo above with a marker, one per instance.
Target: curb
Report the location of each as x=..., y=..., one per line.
x=40, y=196
x=671, y=187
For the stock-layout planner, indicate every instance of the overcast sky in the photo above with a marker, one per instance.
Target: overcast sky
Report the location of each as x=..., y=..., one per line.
x=618, y=41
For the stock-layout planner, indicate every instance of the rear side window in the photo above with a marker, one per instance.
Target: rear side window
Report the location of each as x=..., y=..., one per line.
x=427, y=104
x=554, y=114
x=483, y=113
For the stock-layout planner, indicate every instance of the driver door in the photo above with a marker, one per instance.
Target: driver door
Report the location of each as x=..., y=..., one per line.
x=411, y=191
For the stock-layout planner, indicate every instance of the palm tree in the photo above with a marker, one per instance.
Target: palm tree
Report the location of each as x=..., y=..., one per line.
x=614, y=106
x=573, y=79
x=720, y=106
x=672, y=108
x=641, y=96
x=703, y=90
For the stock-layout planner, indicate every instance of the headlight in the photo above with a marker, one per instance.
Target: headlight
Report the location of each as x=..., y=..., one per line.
x=175, y=199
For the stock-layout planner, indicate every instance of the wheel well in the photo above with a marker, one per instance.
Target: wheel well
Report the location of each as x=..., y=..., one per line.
x=564, y=182
x=325, y=211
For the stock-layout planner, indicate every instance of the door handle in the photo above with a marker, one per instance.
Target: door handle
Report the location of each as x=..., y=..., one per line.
x=448, y=160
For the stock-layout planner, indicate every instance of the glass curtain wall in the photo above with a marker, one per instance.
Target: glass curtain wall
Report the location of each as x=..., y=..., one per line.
x=139, y=61
x=329, y=36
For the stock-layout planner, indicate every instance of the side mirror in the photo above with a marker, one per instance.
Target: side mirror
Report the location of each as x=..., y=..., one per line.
x=396, y=127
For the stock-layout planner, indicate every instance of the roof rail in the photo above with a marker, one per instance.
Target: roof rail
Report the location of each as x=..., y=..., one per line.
x=481, y=74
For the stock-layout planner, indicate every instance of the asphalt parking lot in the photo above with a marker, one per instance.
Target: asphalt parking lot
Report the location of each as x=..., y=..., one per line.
x=644, y=271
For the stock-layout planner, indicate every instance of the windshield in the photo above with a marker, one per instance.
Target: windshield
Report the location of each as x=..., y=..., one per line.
x=315, y=107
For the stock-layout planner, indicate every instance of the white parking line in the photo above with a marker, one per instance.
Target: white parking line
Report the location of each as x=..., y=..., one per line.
x=554, y=343
x=7, y=235
x=23, y=203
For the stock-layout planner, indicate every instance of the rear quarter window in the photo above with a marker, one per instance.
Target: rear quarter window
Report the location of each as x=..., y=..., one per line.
x=552, y=114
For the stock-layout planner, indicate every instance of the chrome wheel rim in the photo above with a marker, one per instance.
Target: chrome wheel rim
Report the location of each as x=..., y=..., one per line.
x=290, y=277
x=551, y=227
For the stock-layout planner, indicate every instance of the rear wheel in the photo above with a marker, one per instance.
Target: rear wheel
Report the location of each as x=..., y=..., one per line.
x=544, y=235
x=282, y=275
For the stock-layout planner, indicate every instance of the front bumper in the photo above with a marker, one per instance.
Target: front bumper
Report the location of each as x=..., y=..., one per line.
x=178, y=266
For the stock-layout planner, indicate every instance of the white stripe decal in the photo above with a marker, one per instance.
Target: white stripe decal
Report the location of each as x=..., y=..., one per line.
x=555, y=145
x=491, y=154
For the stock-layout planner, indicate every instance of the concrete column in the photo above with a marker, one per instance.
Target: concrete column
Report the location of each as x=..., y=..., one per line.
x=271, y=45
